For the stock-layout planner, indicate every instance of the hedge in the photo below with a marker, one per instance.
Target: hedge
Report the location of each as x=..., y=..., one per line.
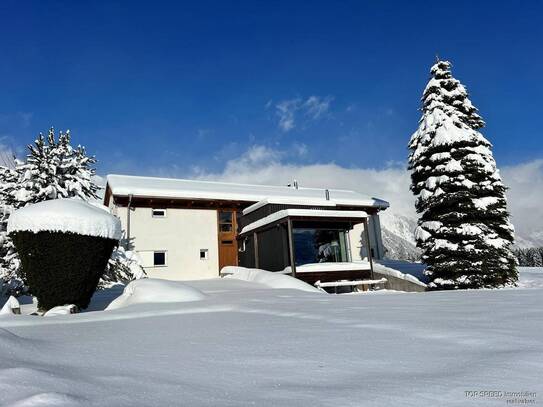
x=62, y=268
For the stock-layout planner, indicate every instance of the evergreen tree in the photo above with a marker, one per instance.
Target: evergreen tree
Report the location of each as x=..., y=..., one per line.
x=520, y=254
x=55, y=170
x=540, y=256
x=530, y=257
x=463, y=229
x=10, y=282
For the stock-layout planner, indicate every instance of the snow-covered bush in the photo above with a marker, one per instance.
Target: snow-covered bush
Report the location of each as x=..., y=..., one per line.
x=123, y=266
x=464, y=229
x=64, y=246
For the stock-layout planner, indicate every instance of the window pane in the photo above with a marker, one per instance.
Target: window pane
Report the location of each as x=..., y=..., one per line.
x=159, y=258
x=225, y=217
x=225, y=227
x=319, y=246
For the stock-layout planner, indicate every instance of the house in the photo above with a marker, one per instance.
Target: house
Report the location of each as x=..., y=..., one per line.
x=191, y=229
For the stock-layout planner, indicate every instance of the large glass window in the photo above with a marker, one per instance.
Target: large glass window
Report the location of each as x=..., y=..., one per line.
x=320, y=245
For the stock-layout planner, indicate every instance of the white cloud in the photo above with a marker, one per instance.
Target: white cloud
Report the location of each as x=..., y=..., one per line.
x=525, y=197
x=301, y=149
x=286, y=110
x=263, y=165
x=290, y=110
x=316, y=106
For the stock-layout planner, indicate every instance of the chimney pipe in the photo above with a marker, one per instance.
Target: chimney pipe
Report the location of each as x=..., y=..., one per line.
x=327, y=194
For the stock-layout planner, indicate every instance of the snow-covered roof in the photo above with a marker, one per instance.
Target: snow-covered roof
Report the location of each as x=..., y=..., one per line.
x=314, y=213
x=152, y=187
x=66, y=215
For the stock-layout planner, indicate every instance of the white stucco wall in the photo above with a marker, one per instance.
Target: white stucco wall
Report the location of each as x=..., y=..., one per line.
x=357, y=240
x=181, y=234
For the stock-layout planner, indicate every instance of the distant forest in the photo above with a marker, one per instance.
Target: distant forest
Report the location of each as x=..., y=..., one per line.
x=532, y=257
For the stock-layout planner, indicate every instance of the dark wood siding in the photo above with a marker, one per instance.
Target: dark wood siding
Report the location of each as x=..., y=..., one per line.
x=246, y=253
x=266, y=210
x=273, y=248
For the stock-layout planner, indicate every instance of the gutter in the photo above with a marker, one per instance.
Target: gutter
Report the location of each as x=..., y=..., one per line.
x=128, y=209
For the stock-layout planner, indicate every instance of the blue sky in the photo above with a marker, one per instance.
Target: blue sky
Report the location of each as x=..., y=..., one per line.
x=161, y=88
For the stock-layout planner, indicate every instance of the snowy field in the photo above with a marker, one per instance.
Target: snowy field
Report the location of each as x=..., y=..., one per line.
x=243, y=343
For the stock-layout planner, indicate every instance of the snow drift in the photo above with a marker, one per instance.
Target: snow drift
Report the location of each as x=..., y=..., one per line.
x=10, y=306
x=150, y=290
x=267, y=278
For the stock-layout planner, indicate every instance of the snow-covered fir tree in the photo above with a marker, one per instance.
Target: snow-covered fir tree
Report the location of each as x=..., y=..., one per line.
x=53, y=169
x=463, y=229
x=123, y=267
x=10, y=281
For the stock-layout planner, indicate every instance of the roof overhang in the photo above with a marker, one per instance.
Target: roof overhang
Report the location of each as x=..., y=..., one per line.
x=304, y=214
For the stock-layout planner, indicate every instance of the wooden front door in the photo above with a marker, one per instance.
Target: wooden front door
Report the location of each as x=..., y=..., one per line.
x=228, y=247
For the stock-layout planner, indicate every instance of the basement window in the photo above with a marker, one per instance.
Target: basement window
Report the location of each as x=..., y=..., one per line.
x=159, y=259
x=159, y=213
x=204, y=254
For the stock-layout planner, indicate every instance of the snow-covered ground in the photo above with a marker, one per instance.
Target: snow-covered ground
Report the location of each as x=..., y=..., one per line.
x=243, y=343
x=530, y=277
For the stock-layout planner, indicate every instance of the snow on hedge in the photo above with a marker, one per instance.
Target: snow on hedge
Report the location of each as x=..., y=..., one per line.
x=149, y=290
x=66, y=215
x=267, y=278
